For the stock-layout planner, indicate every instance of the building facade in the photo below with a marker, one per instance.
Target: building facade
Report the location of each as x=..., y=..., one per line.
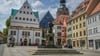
x=59, y=29
x=69, y=31
x=79, y=28
x=24, y=26
x=62, y=10
x=93, y=28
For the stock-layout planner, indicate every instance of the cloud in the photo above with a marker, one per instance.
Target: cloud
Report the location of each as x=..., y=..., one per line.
x=37, y=4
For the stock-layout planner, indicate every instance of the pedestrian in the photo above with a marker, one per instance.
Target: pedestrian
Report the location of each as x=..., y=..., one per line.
x=12, y=41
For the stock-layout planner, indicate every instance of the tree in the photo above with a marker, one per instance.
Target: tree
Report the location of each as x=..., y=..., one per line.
x=8, y=22
x=7, y=25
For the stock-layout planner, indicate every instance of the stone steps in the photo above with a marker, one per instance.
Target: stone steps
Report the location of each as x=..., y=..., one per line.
x=56, y=51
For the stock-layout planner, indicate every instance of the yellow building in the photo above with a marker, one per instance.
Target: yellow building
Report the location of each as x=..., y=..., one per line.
x=79, y=15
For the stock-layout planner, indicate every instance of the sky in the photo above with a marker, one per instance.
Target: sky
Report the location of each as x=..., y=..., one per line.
x=42, y=6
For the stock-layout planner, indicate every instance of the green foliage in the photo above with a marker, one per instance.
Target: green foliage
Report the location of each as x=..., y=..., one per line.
x=8, y=22
x=63, y=41
x=6, y=31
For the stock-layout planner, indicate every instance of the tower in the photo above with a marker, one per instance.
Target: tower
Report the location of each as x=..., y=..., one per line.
x=62, y=10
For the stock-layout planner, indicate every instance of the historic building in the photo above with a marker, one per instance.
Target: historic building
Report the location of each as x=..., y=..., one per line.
x=24, y=26
x=44, y=24
x=60, y=24
x=62, y=10
x=69, y=31
x=59, y=29
x=93, y=28
x=79, y=15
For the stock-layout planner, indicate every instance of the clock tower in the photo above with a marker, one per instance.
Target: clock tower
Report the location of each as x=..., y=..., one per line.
x=62, y=10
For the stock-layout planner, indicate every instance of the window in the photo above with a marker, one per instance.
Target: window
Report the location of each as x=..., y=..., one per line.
x=23, y=18
x=96, y=30
x=80, y=19
x=95, y=18
x=27, y=19
x=59, y=34
x=13, y=32
x=20, y=18
x=76, y=34
x=20, y=11
x=84, y=17
x=28, y=33
x=24, y=6
x=90, y=20
x=30, y=19
x=27, y=7
x=16, y=18
x=37, y=34
x=73, y=34
x=73, y=21
x=76, y=26
x=34, y=20
x=76, y=20
x=80, y=25
x=24, y=12
x=37, y=41
x=80, y=33
x=90, y=43
x=27, y=12
x=31, y=13
x=99, y=17
x=73, y=27
x=83, y=24
x=84, y=32
x=58, y=27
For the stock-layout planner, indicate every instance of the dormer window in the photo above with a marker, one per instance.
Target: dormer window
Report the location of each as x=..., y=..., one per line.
x=27, y=7
x=31, y=13
x=24, y=12
x=30, y=19
x=16, y=18
x=20, y=18
x=20, y=11
x=23, y=18
x=27, y=19
x=24, y=6
x=34, y=20
x=27, y=12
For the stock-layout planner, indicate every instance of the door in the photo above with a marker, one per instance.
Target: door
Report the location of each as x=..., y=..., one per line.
x=25, y=42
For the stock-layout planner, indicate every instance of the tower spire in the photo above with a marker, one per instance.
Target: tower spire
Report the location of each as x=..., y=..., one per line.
x=62, y=3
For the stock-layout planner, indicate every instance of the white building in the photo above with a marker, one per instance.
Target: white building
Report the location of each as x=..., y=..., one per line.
x=93, y=28
x=24, y=26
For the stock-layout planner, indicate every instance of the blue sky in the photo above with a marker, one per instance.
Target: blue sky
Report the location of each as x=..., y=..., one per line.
x=37, y=5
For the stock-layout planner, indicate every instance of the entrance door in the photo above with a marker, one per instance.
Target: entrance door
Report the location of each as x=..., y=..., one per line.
x=25, y=42
x=59, y=41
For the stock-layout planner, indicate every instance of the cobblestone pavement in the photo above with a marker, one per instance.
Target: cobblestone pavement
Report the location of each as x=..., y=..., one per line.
x=28, y=51
x=2, y=46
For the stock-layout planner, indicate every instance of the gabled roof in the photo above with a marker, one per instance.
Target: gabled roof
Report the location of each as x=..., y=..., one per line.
x=86, y=9
x=60, y=19
x=47, y=18
x=48, y=14
x=96, y=9
x=14, y=12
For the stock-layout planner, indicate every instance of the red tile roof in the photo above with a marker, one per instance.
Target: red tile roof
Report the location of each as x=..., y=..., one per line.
x=59, y=20
x=96, y=9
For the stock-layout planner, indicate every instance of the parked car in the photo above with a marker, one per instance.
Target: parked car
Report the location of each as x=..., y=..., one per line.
x=68, y=46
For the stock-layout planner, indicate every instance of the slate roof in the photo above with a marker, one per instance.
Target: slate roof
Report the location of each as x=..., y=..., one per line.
x=46, y=19
x=14, y=11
